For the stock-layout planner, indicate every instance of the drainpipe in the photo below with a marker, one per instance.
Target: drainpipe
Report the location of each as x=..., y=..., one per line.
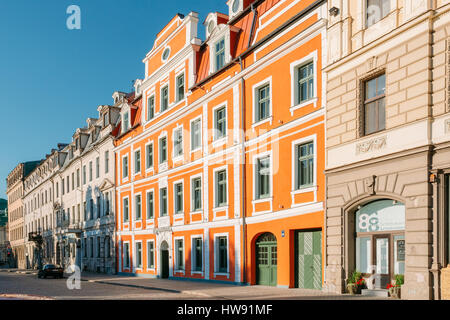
x=244, y=226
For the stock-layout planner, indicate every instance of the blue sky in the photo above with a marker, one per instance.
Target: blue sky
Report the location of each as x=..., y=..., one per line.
x=52, y=78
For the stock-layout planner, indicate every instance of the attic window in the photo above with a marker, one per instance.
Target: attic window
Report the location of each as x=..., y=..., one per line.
x=235, y=6
x=211, y=26
x=166, y=54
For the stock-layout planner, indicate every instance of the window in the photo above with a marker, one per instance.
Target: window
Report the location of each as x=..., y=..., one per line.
x=57, y=190
x=99, y=212
x=124, y=167
x=374, y=105
x=196, y=194
x=220, y=122
x=73, y=182
x=221, y=188
x=62, y=191
x=137, y=207
x=92, y=247
x=106, y=161
x=85, y=211
x=178, y=191
x=150, y=255
x=164, y=98
x=78, y=178
x=263, y=103
x=98, y=247
x=139, y=255
x=178, y=142
x=84, y=175
x=91, y=207
x=305, y=76
x=305, y=165
x=90, y=171
x=180, y=87
x=222, y=252
x=126, y=253
x=150, y=202
x=150, y=107
x=262, y=178
x=163, y=202
x=68, y=184
x=179, y=263
x=196, y=138
x=97, y=167
x=125, y=210
x=377, y=10
x=163, y=150
x=137, y=161
x=105, y=119
x=220, y=54
x=197, y=245
x=149, y=156
x=125, y=122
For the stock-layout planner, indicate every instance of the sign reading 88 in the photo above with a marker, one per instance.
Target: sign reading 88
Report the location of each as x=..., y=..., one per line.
x=368, y=222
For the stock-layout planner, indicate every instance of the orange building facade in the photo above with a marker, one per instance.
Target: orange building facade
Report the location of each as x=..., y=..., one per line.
x=220, y=152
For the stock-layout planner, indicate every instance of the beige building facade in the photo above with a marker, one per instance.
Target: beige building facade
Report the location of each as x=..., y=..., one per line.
x=388, y=144
x=15, y=192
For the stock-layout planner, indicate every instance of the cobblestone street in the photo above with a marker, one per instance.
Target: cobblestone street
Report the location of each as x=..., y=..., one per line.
x=104, y=287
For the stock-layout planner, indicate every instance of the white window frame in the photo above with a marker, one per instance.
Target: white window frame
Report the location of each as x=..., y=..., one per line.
x=135, y=173
x=128, y=266
x=160, y=202
x=150, y=95
x=255, y=89
x=178, y=157
x=152, y=190
x=176, y=269
x=164, y=164
x=175, y=183
x=294, y=66
x=125, y=179
x=193, y=256
x=135, y=206
x=177, y=98
x=256, y=158
x=126, y=111
x=199, y=118
x=135, y=256
x=150, y=168
x=154, y=255
x=165, y=85
x=225, y=206
x=123, y=209
x=294, y=144
x=216, y=254
x=192, y=178
x=221, y=140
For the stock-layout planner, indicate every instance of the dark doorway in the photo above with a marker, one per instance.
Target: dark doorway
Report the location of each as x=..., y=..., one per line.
x=164, y=260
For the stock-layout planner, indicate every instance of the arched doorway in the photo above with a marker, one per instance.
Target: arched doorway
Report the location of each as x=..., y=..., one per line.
x=266, y=260
x=164, y=260
x=379, y=242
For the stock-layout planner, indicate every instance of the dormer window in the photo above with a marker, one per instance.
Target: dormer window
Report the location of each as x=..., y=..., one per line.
x=105, y=119
x=234, y=7
x=126, y=121
x=219, y=54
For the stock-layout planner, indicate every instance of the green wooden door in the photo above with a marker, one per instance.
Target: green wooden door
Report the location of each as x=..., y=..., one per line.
x=309, y=260
x=266, y=261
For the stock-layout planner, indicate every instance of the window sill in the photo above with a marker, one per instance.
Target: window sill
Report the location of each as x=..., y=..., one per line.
x=196, y=149
x=304, y=104
x=148, y=170
x=197, y=272
x=178, y=158
x=222, y=208
x=219, y=142
x=179, y=271
x=262, y=200
x=263, y=121
x=226, y=274
x=305, y=190
x=151, y=269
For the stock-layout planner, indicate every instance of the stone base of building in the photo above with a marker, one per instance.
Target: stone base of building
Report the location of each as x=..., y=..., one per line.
x=445, y=283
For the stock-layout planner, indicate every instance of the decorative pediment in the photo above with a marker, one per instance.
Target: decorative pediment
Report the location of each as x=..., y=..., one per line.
x=106, y=184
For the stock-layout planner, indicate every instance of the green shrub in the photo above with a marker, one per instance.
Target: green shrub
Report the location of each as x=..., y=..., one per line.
x=399, y=279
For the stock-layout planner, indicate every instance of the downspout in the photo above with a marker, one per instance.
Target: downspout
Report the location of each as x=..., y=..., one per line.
x=244, y=224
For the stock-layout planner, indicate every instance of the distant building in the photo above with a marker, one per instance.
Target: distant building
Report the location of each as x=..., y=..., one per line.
x=14, y=190
x=3, y=231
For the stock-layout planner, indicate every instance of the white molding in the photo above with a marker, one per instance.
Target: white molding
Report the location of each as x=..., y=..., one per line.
x=199, y=148
x=311, y=57
x=255, y=101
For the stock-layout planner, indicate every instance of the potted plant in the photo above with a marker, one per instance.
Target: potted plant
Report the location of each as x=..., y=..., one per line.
x=395, y=290
x=355, y=283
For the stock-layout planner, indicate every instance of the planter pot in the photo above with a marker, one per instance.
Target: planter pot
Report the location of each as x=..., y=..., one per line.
x=352, y=288
x=394, y=292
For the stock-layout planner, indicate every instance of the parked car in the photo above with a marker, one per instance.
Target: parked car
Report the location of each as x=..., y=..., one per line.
x=51, y=270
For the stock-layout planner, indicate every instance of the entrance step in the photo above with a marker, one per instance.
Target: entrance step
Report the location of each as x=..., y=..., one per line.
x=375, y=292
